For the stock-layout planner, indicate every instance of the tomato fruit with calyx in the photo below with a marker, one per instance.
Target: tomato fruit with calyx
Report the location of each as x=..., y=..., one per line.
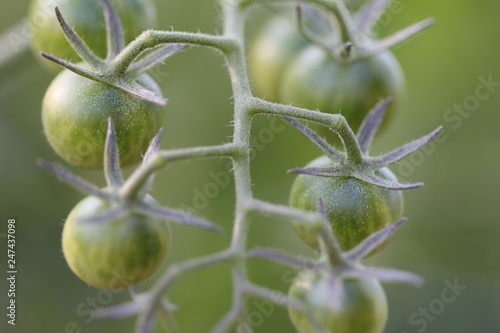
x=314, y=80
x=75, y=112
x=361, y=305
x=117, y=253
x=86, y=17
x=355, y=208
x=271, y=52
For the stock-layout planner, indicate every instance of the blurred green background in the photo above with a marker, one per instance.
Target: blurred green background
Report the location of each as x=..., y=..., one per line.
x=453, y=235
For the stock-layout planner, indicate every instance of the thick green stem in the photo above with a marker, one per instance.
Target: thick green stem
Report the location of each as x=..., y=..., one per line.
x=234, y=28
x=152, y=38
x=135, y=182
x=335, y=122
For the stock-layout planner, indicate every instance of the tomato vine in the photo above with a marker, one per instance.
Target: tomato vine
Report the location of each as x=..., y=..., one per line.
x=120, y=69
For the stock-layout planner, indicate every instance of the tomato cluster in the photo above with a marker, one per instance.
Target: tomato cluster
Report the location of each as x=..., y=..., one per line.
x=120, y=233
x=106, y=244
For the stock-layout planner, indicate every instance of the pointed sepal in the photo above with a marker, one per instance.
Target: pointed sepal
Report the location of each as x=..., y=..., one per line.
x=112, y=171
x=373, y=179
x=177, y=216
x=328, y=149
x=321, y=172
x=78, y=43
x=154, y=58
x=75, y=181
x=405, y=150
x=397, y=38
x=153, y=147
x=123, y=83
x=373, y=241
x=114, y=30
x=390, y=275
x=371, y=124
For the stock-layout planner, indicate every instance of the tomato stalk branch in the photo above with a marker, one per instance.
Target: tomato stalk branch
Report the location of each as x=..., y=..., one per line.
x=152, y=38
x=158, y=160
x=336, y=122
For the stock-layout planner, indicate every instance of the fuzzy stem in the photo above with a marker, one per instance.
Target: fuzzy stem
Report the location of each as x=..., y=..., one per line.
x=234, y=28
x=152, y=38
x=335, y=122
x=134, y=183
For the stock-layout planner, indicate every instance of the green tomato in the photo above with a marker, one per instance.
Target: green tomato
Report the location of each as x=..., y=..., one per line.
x=314, y=80
x=87, y=18
x=75, y=113
x=362, y=307
x=355, y=208
x=117, y=253
x=276, y=45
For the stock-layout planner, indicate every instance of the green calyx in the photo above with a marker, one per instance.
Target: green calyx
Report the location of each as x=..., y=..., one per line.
x=340, y=266
x=126, y=197
x=106, y=70
x=347, y=34
x=355, y=161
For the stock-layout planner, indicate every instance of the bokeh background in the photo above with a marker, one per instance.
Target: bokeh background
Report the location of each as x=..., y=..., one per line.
x=454, y=231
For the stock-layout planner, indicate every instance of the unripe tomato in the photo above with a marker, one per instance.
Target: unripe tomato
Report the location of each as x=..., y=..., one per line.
x=277, y=44
x=355, y=208
x=86, y=17
x=314, y=80
x=75, y=114
x=117, y=253
x=362, y=307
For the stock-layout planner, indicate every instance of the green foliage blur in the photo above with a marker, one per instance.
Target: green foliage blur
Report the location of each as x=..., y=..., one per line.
x=453, y=237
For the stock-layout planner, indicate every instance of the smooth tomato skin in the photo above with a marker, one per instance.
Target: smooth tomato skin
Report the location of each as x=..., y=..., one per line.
x=75, y=113
x=113, y=254
x=316, y=81
x=87, y=18
x=354, y=208
x=363, y=305
x=271, y=52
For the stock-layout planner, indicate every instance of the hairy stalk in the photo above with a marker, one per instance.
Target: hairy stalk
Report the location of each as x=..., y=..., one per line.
x=161, y=158
x=234, y=27
x=151, y=38
x=335, y=122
